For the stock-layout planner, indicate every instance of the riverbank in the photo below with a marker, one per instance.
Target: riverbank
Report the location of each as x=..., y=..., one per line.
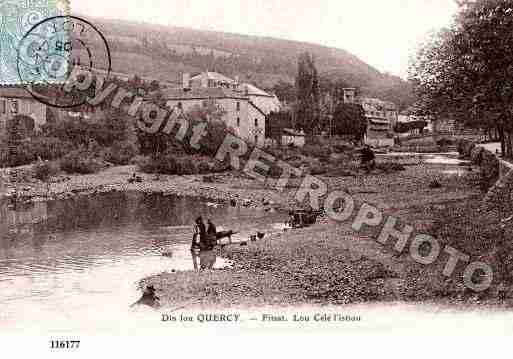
x=217, y=187
x=228, y=186
x=330, y=263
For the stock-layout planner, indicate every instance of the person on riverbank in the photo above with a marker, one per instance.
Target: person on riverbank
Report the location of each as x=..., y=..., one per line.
x=211, y=232
x=207, y=254
x=199, y=234
x=368, y=158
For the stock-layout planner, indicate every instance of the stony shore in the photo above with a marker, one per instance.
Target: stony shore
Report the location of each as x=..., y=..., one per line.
x=220, y=187
x=328, y=263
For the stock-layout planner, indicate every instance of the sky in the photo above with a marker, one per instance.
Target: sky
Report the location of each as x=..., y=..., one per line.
x=383, y=33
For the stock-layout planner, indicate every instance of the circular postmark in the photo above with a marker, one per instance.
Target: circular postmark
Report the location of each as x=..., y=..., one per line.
x=56, y=49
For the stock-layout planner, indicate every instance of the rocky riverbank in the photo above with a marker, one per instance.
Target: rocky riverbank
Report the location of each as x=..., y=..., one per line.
x=328, y=263
x=230, y=186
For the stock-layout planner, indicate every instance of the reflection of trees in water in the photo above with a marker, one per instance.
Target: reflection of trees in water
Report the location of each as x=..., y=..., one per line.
x=112, y=211
x=119, y=208
x=19, y=222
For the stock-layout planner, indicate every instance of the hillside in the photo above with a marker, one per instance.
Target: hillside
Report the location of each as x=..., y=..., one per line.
x=164, y=53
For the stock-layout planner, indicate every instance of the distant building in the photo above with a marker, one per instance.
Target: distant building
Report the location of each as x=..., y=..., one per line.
x=293, y=137
x=381, y=118
x=349, y=95
x=246, y=106
x=15, y=101
x=408, y=117
x=447, y=126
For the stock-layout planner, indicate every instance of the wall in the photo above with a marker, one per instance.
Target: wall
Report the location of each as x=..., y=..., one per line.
x=266, y=104
x=246, y=115
x=28, y=107
x=496, y=176
x=501, y=193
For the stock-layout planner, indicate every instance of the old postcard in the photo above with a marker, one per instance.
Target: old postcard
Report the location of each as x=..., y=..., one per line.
x=201, y=176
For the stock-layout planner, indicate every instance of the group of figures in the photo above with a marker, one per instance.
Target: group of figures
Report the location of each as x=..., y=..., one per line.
x=204, y=240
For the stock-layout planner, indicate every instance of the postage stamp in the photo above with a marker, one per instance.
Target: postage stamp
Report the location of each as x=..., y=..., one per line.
x=51, y=51
x=16, y=18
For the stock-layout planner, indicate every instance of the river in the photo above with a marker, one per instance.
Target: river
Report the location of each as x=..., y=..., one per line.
x=75, y=264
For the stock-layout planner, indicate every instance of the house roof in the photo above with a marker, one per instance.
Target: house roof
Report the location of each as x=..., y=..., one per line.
x=201, y=93
x=378, y=104
x=216, y=76
x=14, y=92
x=376, y=121
x=253, y=90
x=292, y=132
x=257, y=108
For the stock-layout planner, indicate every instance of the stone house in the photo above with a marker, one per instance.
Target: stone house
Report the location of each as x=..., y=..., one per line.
x=381, y=118
x=246, y=107
x=16, y=101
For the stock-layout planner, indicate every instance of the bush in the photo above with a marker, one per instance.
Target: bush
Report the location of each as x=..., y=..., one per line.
x=145, y=164
x=465, y=147
x=185, y=166
x=30, y=149
x=389, y=166
x=434, y=184
x=445, y=142
x=44, y=170
x=318, y=151
x=80, y=162
x=49, y=148
x=164, y=163
x=204, y=167
x=120, y=153
x=18, y=155
x=219, y=167
x=317, y=170
x=341, y=148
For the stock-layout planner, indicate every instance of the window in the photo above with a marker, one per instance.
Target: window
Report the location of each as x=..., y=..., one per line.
x=256, y=139
x=238, y=106
x=2, y=107
x=179, y=105
x=256, y=122
x=14, y=107
x=238, y=121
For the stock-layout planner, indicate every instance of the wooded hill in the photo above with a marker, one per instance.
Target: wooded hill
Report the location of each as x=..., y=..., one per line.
x=165, y=52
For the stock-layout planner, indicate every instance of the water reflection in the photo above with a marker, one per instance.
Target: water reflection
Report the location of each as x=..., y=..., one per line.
x=81, y=258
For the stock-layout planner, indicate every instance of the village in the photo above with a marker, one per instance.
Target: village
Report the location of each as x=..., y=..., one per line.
x=245, y=108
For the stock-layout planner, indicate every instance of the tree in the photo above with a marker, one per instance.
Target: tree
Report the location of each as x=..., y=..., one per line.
x=307, y=90
x=286, y=92
x=465, y=72
x=349, y=120
x=210, y=112
x=276, y=123
x=18, y=129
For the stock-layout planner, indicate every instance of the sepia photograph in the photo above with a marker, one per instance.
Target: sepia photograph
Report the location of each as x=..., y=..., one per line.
x=196, y=174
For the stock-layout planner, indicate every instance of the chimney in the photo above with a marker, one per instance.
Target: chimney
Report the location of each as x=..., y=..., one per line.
x=186, y=81
x=204, y=79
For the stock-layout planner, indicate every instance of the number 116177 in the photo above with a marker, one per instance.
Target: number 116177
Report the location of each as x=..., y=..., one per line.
x=64, y=344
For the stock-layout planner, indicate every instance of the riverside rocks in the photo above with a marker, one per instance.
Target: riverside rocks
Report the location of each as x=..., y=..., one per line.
x=230, y=188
